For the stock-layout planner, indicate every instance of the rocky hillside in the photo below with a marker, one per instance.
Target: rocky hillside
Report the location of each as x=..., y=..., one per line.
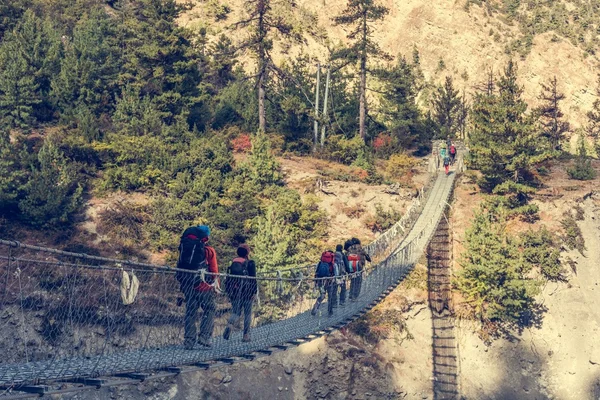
x=458, y=39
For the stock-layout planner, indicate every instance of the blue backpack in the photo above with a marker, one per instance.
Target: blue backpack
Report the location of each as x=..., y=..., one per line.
x=325, y=267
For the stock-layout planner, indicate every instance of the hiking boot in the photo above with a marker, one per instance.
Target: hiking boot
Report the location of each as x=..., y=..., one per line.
x=330, y=314
x=204, y=342
x=246, y=338
x=227, y=332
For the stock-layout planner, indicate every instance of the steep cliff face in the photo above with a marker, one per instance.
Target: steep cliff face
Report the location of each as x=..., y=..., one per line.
x=452, y=39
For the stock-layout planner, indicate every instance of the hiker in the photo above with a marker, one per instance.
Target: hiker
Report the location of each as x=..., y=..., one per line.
x=241, y=291
x=447, y=164
x=448, y=142
x=344, y=269
x=357, y=258
x=443, y=153
x=452, y=154
x=195, y=255
x=325, y=275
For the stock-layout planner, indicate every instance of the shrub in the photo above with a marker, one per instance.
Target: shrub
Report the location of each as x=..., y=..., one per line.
x=582, y=170
x=52, y=194
x=355, y=211
x=241, y=144
x=343, y=150
x=123, y=220
x=541, y=250
x=400, y=166
x=382, y=220
x=572, y=237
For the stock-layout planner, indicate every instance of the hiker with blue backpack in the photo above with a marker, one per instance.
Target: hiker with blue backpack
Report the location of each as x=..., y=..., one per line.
x=197, y=285
x=241, y=289
x=325, y=281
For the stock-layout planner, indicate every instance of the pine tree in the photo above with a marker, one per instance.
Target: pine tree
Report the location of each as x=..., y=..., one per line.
x=495, y=279
x=52, y=194
x=593, y=116
x=550, y=114
x=360, y=16
x=12, y=175
x=265, y=20
x=446, y=108
x=398, y=101
x=88, y=75
x=505, y=144
x=18, y=90
x=582, y=170
x=40, y=44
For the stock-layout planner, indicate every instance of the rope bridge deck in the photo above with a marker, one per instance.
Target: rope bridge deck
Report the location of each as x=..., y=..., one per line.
x=64, y=319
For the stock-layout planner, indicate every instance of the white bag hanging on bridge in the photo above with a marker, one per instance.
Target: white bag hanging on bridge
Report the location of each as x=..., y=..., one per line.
x=129, y=287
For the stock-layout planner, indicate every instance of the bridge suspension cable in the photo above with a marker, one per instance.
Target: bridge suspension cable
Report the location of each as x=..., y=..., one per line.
x=62, y=315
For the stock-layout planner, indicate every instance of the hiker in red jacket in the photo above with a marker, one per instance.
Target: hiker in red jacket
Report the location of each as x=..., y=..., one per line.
x=198, y=292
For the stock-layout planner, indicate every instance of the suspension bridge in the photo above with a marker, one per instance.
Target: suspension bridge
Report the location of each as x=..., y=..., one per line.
x=63, y=319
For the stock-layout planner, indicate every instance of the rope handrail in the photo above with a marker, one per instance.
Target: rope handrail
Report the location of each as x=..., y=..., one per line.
x=74, y=322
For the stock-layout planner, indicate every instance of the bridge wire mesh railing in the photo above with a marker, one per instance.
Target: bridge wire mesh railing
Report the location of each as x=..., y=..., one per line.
x=62, y=315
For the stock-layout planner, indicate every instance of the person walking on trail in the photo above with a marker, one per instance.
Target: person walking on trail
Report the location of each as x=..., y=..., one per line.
x=448, y=142
x=344, y=269
x=199, y=289
x=325, y=275
x=241, y=291
x=357, y=258
x=447, y=165
x=452, y=153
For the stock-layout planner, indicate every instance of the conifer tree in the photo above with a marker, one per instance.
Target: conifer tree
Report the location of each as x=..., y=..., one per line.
x=266, y=19
x=40, y=44
x=505, y=144
x=550, y=114
x=360, y=15
x=495, y=279
x=88, y=75
x=11, y=173
x=52, y=193
x=446, y=108
x=398, y=103
x=593, y=116
x=18, y=90
x=582, y=170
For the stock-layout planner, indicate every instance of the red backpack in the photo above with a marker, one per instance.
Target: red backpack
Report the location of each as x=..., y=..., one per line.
x=452, y=149
x=325, y=267
x=354, y=262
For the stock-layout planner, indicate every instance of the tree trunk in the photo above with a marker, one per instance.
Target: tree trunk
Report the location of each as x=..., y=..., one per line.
x=262, y=121
x=362, y=113
x=262, y=68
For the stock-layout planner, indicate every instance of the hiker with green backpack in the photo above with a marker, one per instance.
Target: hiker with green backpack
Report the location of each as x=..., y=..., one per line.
x=241, y=289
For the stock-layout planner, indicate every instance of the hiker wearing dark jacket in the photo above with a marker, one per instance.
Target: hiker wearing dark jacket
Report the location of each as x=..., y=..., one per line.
x=201, y=294
x=241, y=291
x=325, y=282
x=357, y=258
x=344, y=268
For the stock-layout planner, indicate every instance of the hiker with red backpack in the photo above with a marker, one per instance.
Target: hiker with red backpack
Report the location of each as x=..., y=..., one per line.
x=241, y=291
x=357, y=258
x=198, y=285
x=325, y=276
x=452, y=153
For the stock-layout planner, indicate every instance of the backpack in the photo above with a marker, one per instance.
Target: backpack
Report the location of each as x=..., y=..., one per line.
x=452, y=149
x=446, y=161
x=239, y=266
x=325, y=267
x=354, y=263
x=192, y=257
